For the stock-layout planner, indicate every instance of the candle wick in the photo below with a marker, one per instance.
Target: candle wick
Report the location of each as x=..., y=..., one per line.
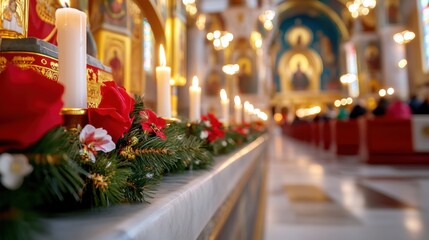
x=67, y=5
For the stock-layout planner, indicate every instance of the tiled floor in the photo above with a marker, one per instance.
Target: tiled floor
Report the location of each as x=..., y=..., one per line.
x=313, y=194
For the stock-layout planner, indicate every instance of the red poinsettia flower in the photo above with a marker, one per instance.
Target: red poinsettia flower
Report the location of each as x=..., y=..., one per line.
x=215, y=133
x=152, y=123
x=113, y=112
x=241, y=131
x=214, y=121
x=213, y=127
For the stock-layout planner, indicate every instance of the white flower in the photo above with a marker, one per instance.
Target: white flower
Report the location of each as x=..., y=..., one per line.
x=224, y=143
x=13, y=169
x=149, y=175
x=197, y=162
x=208, y=124
x=95, y=139
x=204, y=134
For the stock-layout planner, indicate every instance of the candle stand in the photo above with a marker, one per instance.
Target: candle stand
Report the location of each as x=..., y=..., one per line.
x=74, y=118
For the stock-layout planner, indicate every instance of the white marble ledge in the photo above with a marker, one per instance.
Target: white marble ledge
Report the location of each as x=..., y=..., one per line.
x=183, y=205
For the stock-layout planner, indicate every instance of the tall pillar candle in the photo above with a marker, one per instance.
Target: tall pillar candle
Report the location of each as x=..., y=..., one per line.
x=71, y=37
x=163, y=89
x=238, y=110
x=194, y=100
x=246, y=112
x=225, y=107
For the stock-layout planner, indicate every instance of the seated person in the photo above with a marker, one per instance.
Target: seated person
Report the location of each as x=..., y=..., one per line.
x=381, y=108
x=414, y=104
x=424, y=107
x=343, y=114
x=358, y=110
x=398, y=109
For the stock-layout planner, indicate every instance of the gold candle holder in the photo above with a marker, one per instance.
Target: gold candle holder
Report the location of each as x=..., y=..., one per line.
x=74, y=118
x=172, y=120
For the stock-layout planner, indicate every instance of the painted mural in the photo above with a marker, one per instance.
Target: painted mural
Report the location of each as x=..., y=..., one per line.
x=115, y=12
x=245, y=57
x=308, y=56
x=372, y=62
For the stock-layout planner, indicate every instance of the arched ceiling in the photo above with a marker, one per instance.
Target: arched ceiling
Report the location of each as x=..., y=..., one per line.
x=333, y=9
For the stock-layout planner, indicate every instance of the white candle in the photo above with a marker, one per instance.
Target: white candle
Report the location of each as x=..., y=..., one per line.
x=250, y=112
x=71, y=37
x=246, y=112
x=238, y=110
x=194, y=100
x=256, y=113
x=225, y=107
x=163, y=75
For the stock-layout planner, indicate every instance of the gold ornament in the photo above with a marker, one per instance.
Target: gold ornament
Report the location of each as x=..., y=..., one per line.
x=99, y=181
x=128, y=153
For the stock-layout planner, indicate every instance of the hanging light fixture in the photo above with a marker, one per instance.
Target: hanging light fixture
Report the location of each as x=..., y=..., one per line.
x=190, y=6
x=360, y=7
x=267, y=18
x=221, y=39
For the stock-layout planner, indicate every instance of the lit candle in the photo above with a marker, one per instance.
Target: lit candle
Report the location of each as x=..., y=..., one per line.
x=225, y=107
x=250, y=112
x=246, y=112
x=194, y=100
x=163, y=75
x=71, y=37
x=238, y=110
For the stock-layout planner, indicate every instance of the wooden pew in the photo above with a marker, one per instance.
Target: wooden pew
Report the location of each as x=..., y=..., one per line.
x=316, y=133
x=347, y=137
x=390, y=141
x=327, y=134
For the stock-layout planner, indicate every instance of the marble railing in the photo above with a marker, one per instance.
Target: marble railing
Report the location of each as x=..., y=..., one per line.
x=191, y=205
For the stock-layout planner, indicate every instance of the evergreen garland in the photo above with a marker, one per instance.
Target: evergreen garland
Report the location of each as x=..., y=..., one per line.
x=65, y=178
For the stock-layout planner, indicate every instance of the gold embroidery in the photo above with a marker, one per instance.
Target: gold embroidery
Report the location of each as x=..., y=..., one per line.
x=23, y=62
x=93, y=84
x=3, y=62
x=46, y=10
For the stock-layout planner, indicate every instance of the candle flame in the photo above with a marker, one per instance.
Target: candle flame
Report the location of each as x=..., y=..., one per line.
x=65, y=3
x=195, y=82
x=223, y=95
x=237, y=100
x=246, y=105
x=162, y=59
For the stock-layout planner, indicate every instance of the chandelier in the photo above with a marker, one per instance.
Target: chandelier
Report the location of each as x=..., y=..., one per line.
x=267, y=19
x=360, y=7
x=221, y=39
x=190, y=6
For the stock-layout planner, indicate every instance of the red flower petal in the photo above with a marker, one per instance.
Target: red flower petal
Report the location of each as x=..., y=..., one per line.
x=30, y=106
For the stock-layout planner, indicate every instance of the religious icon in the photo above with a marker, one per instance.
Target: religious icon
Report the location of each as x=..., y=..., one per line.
x=247, y=84
x=115, y=12
x=117, y=69
x=392, y=11
x=372, y=57
x=326, y=50
x=12, y=18
x=300, y=80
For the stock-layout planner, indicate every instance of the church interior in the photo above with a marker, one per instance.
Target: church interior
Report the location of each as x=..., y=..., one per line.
x=214, y=119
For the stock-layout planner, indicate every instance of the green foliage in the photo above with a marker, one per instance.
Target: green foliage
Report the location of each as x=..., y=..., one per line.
x=65, y=176
x=106, y=180
x=55, y=177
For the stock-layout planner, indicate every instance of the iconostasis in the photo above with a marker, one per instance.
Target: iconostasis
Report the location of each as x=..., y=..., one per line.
x=306, y=54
